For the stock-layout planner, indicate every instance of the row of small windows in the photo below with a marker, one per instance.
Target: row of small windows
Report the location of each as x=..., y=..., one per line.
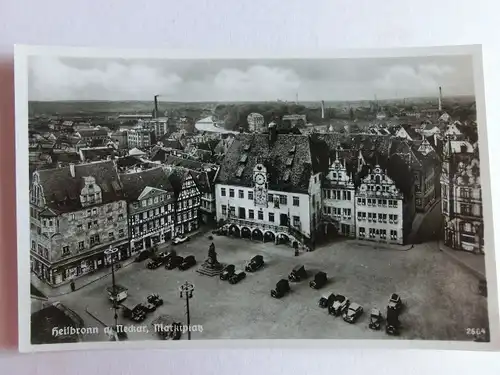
x=381, y=233
x=382, y=218
x=378, y=202
x=260, y=214
x=282, y=199
x=150, y=201
x=337, y=194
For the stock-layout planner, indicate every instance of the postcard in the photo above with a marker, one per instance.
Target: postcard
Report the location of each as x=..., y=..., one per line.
x=186, y=199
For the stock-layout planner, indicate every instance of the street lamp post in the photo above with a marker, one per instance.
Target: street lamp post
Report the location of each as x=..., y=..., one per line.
x=111, y=254
x=186, y=291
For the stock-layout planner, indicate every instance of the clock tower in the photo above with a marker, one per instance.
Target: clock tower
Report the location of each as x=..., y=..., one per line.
x=260, y=185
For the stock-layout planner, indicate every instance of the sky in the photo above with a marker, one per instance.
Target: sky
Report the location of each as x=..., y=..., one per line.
x=63, y=78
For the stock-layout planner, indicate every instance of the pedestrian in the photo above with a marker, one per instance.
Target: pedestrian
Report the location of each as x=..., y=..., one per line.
x=72, y=285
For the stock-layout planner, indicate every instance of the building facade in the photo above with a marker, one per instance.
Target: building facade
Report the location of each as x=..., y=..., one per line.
x=188, y=200
x=151, y=202
x=76, y=213
x=462, y=201
x=140, y=138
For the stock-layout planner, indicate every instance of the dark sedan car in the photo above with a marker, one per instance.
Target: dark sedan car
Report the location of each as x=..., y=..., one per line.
x=154, y=264
x=320, y=279
x=352, y=313
x=188, y=262
x=227, y=272
x=255, y=263
x=237, y=277
x=174, y=262
x=282, y=288
x=325, y=302
x=339, y=305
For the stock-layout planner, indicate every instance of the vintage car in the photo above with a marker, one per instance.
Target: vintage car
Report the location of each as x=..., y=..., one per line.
x=227, y=272
x=136, y=313
x=255, y=263
x=179, y=239
x=395, y=302
x=118, y=294
x=325, y=302
x=339, y=305
x=375, y=319
x=155, y=299
x=282, y=288
x=320, y=279
x=167, y=328
x=236, y=277
x=173, y=262
x=149, y=307
x=393, y=325
x=298, y=273
x=187, y=263
x=154, y=264
x=352, y=313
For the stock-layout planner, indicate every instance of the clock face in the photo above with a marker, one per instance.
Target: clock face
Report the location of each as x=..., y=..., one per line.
x=260, y=179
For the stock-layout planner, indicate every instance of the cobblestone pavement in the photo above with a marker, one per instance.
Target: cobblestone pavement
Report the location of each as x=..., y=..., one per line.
x=440, y=296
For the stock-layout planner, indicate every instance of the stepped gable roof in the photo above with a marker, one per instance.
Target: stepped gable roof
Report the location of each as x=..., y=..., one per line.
x=289, y=160
x=134, y=183
x=62, y=191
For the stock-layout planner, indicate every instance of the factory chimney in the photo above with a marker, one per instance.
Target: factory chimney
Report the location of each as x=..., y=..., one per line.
x=156, y=106
x=322, y=109
x=440, y=102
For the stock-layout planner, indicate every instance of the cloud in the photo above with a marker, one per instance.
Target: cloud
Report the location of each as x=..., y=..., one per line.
x=420, y=79
x=50, y=79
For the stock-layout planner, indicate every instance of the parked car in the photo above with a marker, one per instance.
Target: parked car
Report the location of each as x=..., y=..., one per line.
x=149, y=307
x=282, y=288
x=155, y=299
x=375, y=319
x=173, y=262
x=237, y=277
x=142, y=256
x=136, y=313
x=352, y=313
x=179, y=239
x=320, y=279
x=298, y=273
x=255, y=263
x=154, y=264
x=187, y=263
x=393, y=325
x=227, y=272
x=339, y=305
x=325, y=302
x=395, y=302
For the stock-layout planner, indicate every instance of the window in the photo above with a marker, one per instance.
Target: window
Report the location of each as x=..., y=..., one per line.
x=241, y=194
x=94, y=211
x=232, y=211
x=111, y=236
x=72, y=216
x=231, y=193
x=394, y=235
x=33, y=245
x=270, y=198
x=271, y=217
x=250, y=195
x=362, y=232
x=65, y=250
x=260, y=215
x=468, y=227
x=347, y=212
x=250, y=214
x=121, y=233
x=155, y=200
x=120, y=217
x=79, y=227
x=372, y=233
x=81, y=245
x=223, y=192
x=150, y=201
x=89, y=212
x=465, y=209
x=296, y=201
x=283, y=199
x=89, y=225
x=143, y=203
x=346, y=195
x=296, y=221
x=383, y=234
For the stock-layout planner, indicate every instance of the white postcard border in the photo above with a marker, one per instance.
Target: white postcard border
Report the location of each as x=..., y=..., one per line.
x=22, y=53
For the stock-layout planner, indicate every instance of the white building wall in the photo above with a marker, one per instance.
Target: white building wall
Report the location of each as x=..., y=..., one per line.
x=302, y=211
x=363, y=220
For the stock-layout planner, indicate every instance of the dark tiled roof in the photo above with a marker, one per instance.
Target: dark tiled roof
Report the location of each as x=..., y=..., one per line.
x=95, y=154
x=171, y=143
x=288, y=171
x=135, y=183
x=62, y=191
x=128, y=161
x=468, y=131
x=176, y=176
